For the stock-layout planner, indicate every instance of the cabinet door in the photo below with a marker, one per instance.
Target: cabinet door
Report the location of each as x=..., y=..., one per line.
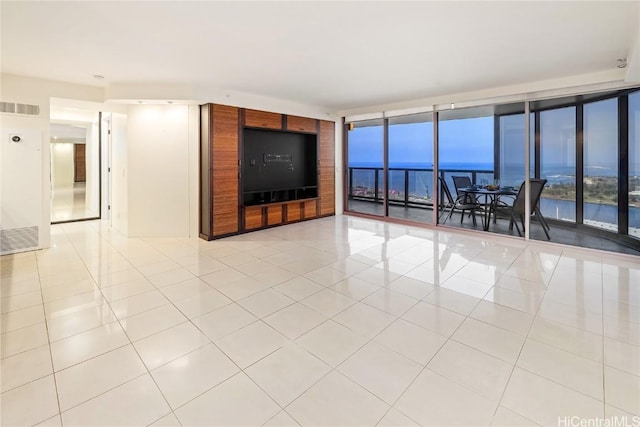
x=327, y=168
x=301, y=124
x=274, y=215
x=253, y=217
x=262, y=119
x=294, y=213
x=224, y=180
x=310, y=209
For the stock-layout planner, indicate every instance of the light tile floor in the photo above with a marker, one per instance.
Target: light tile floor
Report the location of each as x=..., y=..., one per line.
x=337, y=321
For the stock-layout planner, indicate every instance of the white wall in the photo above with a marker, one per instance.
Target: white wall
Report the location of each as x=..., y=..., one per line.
x=158, y=168
x=62, y=165
x=37, y=91
x=119, y=175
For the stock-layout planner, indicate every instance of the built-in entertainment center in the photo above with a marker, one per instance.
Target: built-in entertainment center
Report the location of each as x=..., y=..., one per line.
x=261, y=169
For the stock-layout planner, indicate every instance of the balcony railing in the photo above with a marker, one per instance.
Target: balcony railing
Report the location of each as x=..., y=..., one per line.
x=407, y=186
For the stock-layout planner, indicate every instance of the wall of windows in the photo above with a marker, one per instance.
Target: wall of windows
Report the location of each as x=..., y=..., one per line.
x=600, y=165
x=558, y=163
x=579, y=144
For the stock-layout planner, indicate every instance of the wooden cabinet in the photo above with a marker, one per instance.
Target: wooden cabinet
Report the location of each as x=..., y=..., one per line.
x=327, y=168
x=218, y=171
x=262, y=119
x=301, y=124
x=221, y=206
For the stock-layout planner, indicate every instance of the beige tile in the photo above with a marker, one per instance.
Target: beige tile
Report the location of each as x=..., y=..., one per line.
x=224, y=321
x=411, y=287
x=434, y=400
x=355, y=288
x=543, y=401
x=433, y=318
x=328, y=302
x=150, y=322
x=411, y=341
x=479, y=371
x=64, y=326
x=578, y=373
x=337, y=401
x=332, y=342
x=18, y=302
x=170, y=277
x=251, y=343
x=95, y=376
x=83, y=346
x=25, y=367
x=507, y=418
x=364, y=320
x=29, y=404
x=298, y=288
x=237, y=401
x=390, y=301
x=294, y=320
x=21, y=318
x=287, y=373
x=199, y=305
x=167, y=421
x=168, y=345
x=623, y=356
x=193, y=374
x=395, y=418
x=138, y=304
x=381, y=371
x=503, y=317
x=452, y=300
x=138, y=402
x=622, y=390
x=281, y=419
x=497, y=342
x=23, y=339
x=265, y=303
x=574, y=340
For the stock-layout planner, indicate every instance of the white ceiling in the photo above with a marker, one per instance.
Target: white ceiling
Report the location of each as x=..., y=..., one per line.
x=336, y=55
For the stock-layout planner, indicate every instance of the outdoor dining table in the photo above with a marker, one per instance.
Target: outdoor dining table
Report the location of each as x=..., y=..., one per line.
x=491, y=198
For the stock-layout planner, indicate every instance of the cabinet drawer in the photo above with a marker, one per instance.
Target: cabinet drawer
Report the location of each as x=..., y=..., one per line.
x=262, y=119
x=301, y=124
x=274, y=215
x=252, y=217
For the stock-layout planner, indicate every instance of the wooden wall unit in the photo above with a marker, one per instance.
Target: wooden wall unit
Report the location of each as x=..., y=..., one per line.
x=221, y=139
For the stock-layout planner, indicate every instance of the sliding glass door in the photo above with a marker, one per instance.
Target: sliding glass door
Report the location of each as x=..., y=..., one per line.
x=600, y=166
x=365, y=178
x=410, y=174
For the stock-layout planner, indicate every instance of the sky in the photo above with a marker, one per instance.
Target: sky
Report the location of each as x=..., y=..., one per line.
x=470, y=141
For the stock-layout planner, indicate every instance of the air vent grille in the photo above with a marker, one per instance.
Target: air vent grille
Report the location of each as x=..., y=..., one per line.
x=17, y=108
x=7, y=107
x=18, y=239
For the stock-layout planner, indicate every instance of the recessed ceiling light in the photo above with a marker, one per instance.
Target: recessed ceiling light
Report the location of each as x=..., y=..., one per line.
x=139, y=102
x=98, y=77
x=169, y=102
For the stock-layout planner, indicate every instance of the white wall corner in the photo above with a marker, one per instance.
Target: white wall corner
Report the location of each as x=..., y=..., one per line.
x=632, y=74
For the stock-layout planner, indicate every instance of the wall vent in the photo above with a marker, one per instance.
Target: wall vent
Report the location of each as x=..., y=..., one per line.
x=7, y=107
x=17, y=108
x=18, y=239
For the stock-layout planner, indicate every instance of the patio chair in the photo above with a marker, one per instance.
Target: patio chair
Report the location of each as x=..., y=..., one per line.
x=464, y=182
x=456, y=204
x=516, y=211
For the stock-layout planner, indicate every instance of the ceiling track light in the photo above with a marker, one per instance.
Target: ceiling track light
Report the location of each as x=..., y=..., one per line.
x=622, y=62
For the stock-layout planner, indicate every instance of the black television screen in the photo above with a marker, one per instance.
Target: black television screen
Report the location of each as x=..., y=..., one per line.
x=276, y=161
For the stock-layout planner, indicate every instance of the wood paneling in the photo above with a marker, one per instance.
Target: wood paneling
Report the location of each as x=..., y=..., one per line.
x=294, y=213
x=274, y=215
x=301, y=124
x=310, y=209
x=262, y=119
x=327, y=172
x=252, y=217
x=224, y=182
x=80, y=163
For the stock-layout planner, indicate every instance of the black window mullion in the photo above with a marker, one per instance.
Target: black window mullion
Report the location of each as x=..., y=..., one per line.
x=536, y=136
x=385, y=171
x=623, y=164
x=579, y=163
